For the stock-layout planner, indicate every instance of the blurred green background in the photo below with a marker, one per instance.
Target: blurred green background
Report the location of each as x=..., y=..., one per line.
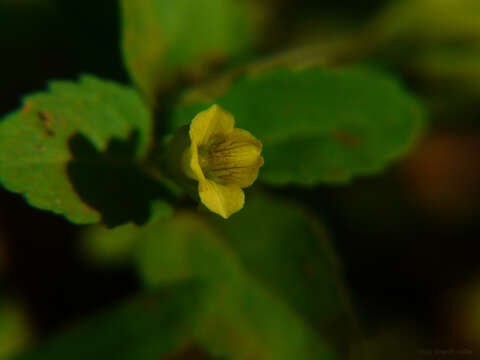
x=406, y=240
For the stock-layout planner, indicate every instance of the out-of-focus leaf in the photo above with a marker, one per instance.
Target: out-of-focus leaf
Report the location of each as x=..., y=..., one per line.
x=448, y=66
x=288, y=250
x=427, y=21
x=73, y=150
x=114, y=247
x=462, y=315
x=163, y=39
x=110, y=247
x=318, y=125
x=15, y=331
x=274, y=291
x=146, y=328
x=443, y=176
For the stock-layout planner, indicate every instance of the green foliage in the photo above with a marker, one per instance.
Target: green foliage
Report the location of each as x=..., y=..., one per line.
x=73, y=150
x=434, y=42
x=144, y=328
x=457, y=66
x=163, y=39
x=284, y=247
x=319, y=125
x=15, y=332
x=427, y=21
x=271, y=289
x=106, y=247
x=272, y=284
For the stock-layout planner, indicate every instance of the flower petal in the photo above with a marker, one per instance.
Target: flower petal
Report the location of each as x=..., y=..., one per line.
x=210, y=123
x=221, y=199
x=191, y=164
x=245, y=136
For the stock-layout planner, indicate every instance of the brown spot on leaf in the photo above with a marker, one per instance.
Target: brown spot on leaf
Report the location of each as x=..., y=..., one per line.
x=27, y=107
x=40, y=147
x=347, y=139
x=47, y=120
x=339, y=173
x=309, y=270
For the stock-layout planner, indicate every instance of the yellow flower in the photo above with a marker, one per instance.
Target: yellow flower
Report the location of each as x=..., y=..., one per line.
x=223, y=160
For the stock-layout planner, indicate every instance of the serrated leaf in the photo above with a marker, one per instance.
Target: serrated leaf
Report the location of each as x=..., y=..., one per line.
x=269, y=272
x=163, y=38
x=73, y=150
x=144, y=328
x=319, y=125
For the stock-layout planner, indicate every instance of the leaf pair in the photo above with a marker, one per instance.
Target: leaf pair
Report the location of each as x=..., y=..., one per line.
x=76, y=149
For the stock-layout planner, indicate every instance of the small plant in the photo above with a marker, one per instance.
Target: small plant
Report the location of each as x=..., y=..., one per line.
x=196, y=174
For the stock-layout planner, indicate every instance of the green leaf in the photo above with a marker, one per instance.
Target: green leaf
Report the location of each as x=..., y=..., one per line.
x=15, y=332
x=163, y=39
x=287, y=249
x=74, y=150
x=144, y=328
x=273, y=287
x=106, y=247
x=318, y=125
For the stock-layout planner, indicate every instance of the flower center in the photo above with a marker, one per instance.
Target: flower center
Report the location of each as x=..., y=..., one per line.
x=228, y=160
